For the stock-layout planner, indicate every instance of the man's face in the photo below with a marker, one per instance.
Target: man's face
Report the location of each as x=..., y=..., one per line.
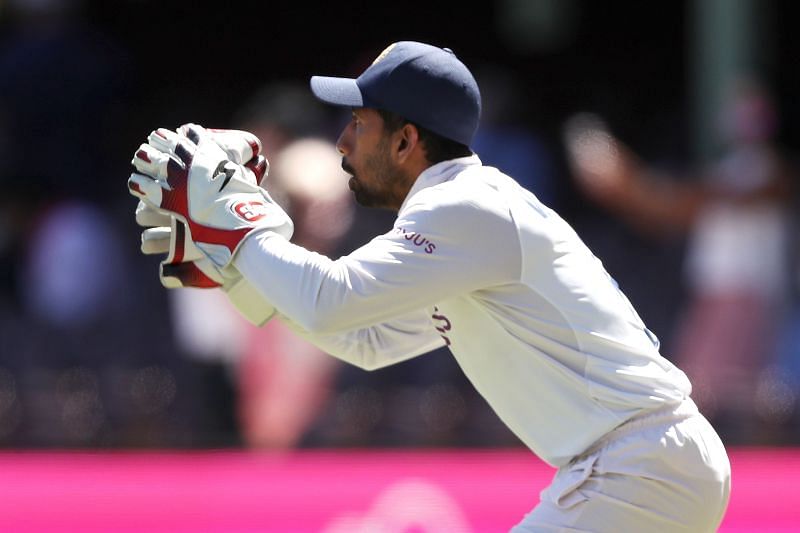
x=366, y=156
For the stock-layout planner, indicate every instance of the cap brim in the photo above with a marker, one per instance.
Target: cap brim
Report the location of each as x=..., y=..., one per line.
x=337, y=91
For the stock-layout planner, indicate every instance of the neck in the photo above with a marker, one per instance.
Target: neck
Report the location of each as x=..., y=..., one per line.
x=405, y=181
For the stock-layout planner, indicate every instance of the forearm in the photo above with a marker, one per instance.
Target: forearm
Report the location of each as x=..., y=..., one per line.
x=367, y=348
x=377, y=346
x=375, y=284
x=312, y=291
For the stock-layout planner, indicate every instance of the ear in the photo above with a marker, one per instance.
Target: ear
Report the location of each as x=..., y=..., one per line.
x=407, y=142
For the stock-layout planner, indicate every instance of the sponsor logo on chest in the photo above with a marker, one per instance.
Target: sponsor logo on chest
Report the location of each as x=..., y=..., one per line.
x=417, y=240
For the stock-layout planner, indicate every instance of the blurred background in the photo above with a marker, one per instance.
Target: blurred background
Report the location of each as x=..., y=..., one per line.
x=698, y=226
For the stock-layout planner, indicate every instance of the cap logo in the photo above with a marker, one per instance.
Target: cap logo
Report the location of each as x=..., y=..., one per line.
x=384, y=53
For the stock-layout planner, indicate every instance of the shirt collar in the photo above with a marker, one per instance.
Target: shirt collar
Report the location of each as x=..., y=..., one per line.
x=439, y=173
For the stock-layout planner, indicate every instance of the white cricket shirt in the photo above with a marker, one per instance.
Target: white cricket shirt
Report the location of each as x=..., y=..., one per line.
x=475, y=262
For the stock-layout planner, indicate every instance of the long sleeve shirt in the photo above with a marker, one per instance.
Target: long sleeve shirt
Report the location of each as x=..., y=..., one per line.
x=477, y=263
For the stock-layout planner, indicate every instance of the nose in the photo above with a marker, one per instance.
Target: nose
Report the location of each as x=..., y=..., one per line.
x=343, y=142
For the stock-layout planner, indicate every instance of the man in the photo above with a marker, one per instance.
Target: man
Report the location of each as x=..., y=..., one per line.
x=476, y=263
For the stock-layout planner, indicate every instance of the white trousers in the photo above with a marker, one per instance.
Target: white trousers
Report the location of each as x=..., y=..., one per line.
x=662, y=472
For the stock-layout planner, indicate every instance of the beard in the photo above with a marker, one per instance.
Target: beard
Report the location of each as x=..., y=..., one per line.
x=378, y=190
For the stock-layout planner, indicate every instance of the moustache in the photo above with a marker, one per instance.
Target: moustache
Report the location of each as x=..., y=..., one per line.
x=347, y=168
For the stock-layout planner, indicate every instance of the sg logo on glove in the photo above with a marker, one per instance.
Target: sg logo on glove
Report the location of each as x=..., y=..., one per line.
x=250, y=211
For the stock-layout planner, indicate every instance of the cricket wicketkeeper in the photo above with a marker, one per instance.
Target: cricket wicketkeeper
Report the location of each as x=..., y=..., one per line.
x=474, y=262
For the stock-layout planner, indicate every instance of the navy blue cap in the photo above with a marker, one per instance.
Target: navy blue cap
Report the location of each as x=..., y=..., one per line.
x=425, y=84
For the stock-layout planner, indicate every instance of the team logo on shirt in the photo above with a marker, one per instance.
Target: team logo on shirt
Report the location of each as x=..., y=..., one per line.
x=443, y=325
x=417, y=240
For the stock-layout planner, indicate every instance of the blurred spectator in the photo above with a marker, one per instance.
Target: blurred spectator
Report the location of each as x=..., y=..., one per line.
x=284, y=381
x=281, y=112
x=736, y=218
x=505, y=139
x=279, y=381
x=62, y=84
x=74, y=371
x=65, y=248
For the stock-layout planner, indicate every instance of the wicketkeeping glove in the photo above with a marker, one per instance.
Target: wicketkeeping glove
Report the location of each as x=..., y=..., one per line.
x=189, y=176
x=185, y=265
